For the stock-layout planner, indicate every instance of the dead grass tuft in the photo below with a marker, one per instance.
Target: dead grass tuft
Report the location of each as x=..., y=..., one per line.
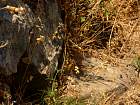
x=103, y=26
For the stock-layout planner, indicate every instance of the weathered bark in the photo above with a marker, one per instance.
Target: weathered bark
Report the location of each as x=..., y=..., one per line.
x=19, y=33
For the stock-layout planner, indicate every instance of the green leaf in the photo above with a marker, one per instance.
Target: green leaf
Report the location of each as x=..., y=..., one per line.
x=83, y=19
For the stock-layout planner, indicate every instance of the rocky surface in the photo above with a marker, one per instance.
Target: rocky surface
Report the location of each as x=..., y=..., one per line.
x=20, y=32
x=31, y=38
x=102, y=83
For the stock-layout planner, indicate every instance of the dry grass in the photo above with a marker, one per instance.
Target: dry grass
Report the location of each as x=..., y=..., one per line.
x=106, y=29
x=88, y=27
x=102, y=26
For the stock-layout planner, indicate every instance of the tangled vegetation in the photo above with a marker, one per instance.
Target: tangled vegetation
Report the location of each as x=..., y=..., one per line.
x=94, y=28
x=98, y=28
